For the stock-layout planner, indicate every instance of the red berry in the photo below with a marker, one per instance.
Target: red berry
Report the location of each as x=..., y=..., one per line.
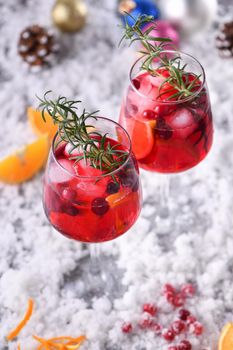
x=149, y=114
x=112, y=187
x=127, y=327
x=168, y=288
x=178, y=300
x=157, y=328
x=187, y=290
x=191, y=319
x=168, y=334
x=178, y=326
x=150, y=309
x=172, y=348
x=198, y=328
x=183, y=314
x=184, y=345
x=146, y=323
x=99, y=206
x=136, y=83
x=170, y=298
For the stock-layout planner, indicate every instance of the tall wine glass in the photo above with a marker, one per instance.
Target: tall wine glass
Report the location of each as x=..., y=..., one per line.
x=168, y=136
x=86, y=204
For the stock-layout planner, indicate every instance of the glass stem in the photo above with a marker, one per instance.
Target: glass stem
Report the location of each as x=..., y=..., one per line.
x=164, y=190
x=95, y=258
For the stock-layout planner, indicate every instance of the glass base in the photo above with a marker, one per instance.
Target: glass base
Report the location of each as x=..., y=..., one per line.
x=96, y=277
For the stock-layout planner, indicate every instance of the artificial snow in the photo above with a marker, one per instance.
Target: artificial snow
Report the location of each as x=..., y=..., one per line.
x=196, y=245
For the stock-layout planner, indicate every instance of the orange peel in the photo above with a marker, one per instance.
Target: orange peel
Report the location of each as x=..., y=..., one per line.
x=39, y=126
x=25, y=163
x=226, y=337
x=13, y=334
x=60, y=343
x=55, y=343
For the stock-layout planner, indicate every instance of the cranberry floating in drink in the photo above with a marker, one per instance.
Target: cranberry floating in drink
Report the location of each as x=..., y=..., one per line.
x=166, y=110
x=91, y=187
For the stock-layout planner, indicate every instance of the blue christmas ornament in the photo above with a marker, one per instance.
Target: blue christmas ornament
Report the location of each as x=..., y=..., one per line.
x=137, y=8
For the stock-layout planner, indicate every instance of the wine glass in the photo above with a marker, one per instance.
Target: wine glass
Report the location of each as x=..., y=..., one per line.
x=168, y=135
x=87, y=204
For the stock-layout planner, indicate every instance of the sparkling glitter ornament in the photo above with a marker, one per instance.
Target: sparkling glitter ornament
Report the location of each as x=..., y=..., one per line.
x=69, y=15
x=137, y=8
x=190, y=16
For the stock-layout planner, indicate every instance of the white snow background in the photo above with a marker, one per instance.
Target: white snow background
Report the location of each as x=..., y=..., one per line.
x=35, y=261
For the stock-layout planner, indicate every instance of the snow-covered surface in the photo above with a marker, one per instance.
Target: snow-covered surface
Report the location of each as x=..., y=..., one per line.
x=37, y=262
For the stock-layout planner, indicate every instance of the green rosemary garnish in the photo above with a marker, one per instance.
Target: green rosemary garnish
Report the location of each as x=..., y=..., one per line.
x=178, y=77
x=76, y=130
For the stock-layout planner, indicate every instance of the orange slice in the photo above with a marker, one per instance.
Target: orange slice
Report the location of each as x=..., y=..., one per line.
x=121, y=197
x=25, y=163
x=226, y=337
x=142, y=138
x=39, y=126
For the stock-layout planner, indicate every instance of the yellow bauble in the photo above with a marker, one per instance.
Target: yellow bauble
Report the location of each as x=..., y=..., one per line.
x=69, y=15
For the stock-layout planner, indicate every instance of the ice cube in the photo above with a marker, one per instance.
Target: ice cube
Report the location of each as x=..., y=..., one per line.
x=62, y=172
x=182, y=122
x=70, y=151
x=181, y=118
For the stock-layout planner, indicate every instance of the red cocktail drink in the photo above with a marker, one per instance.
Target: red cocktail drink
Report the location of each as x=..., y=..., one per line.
x=170, y=133
x=86, y=203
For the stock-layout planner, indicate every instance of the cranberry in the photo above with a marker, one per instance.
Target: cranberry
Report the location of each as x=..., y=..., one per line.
x=157, y=328
x=187, y=290
x=149, y=114
x=170, y=298
x=191, y=319
x=168, y=288
x=150, y=309
x=112, y=187
x=127, y=178
x=165, y=132
x=198, y=328
x=99, y=206
x=168, y=335
x=70, y=210
x=178, y=326
x=146, y=323
x=178, y=300
x=136, y=83
x=127, y=328
x=184, y=345
x=69, y=194
x=183, y=314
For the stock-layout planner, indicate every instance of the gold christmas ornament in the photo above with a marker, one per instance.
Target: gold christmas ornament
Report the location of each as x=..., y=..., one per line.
x=126, y=6
x=69, y=15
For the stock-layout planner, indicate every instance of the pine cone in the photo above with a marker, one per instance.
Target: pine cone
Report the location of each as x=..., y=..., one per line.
x=224, y=40
x=36, y=45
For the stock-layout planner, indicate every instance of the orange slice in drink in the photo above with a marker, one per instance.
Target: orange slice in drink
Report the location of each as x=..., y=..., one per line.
x=142, y=138
x=25, y=163
x=39, y=126
x=226, y=337
x=122, y=197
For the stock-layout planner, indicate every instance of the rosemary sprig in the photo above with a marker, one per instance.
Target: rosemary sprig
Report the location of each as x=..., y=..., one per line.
x=177, y=78
x=76, y=130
